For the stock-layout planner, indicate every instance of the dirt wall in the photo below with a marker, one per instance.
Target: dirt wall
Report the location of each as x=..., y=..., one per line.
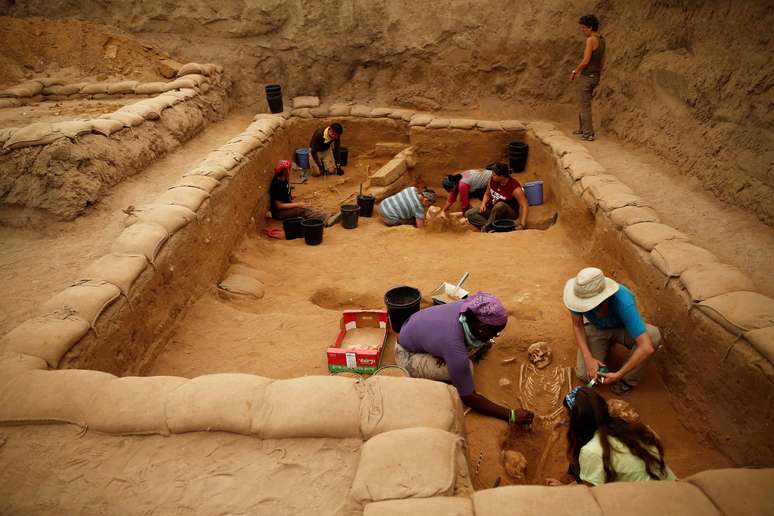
x=686, y=78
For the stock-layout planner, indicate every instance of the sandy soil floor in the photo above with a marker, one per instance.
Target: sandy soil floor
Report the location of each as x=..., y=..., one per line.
x=32, y=273
x=188, y=474
x=286, y=333
x=60, y=111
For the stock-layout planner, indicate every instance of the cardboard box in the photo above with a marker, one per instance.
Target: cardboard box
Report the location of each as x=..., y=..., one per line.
x=360, y=342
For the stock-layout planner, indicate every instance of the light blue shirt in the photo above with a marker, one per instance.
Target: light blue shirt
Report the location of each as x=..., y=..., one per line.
x=622, y=313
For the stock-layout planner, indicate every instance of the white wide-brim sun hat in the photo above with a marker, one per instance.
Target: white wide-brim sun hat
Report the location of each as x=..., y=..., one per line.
x=588, y=289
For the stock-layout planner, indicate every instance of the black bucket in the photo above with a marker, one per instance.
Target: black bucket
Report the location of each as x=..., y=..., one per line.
x=504, y=225
x=274, y=98
x=518, y=153
x=349, y=213
x=343, y=156
x=402, y=303
x=292, y=227
x=313, y=231
x=366, y=203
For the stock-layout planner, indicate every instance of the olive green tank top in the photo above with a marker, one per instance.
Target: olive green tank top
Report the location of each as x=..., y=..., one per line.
x=597, y=56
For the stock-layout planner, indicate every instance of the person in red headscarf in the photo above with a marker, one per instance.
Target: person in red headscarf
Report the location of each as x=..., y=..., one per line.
x=281, y=201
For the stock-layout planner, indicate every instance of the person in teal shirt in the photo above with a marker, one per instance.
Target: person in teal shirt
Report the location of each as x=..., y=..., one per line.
x=603, y=448
x=612, y=316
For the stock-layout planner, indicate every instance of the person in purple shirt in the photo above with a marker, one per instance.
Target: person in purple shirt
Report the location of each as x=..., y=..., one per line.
x=438, y=343
x=612, y=316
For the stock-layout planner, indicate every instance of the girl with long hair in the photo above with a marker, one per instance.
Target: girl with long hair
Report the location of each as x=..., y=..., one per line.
x=603, y=448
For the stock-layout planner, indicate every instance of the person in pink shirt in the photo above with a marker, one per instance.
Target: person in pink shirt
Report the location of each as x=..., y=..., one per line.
x=471, y=183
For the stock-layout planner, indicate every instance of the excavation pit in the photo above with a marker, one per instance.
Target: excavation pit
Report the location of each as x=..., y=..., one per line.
x=174, y=322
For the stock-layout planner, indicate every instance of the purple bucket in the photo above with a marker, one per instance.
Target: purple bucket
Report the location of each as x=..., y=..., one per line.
x=534, y=192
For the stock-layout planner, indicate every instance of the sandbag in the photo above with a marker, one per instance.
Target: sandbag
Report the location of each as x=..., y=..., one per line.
x=513, y=125
x=93, y=88
x=12, y=363
x=48, y=337
x=596, y=180
x=216, y=402
x=24, y=90
x=340, y=110
x=39, y=133
x=142, y=238
x=185, y=92
x=672, y=257
x=51, y=81
x=561, y=145
x=242, y=285
x=738, y=491
x=225, y=159
x=319, y=111
x=205, y=183
x=710, y=279
x=607, y=189
x=197, y=78
x=361, y=111
x=649, y=234
x=191, y=68
x=305, y=102
x=127, y=119
x=143, y=108
x=9, y=103
x=63, y=396
x=171, y=217
x=410, y=463
x=629, y=215
x=72, y=128
x=150, y=88
x=435, y=506
x=420, y=120
x=244, y=145
x=105, y=126
x=610, y=200
x=462, y=123
x=579, y=166
x=64, y=89
x=123, y=87
x=301, y=112
x=214, y=171
x=740, y=312
x=191, y=198
x=763, y=341
x=488, y=126
x=650, y=498
x=6, y=133
x=86, y=299
x=537, y=501
x=211, y=69
x=121, y=270
x=310, y=406
x=132, y=405
x=439, y=123
x=182, y=83
x=384, y=406
x=379, y=112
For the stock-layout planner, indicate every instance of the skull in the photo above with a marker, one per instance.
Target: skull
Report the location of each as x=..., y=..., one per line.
x=515, y=464
x=539, y=354
x=622, y=409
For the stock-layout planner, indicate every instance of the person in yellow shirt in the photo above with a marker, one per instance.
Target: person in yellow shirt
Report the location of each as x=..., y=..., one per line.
x=602, y=448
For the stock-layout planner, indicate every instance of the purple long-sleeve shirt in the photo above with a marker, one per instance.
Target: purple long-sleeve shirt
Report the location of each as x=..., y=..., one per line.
x=437, y=331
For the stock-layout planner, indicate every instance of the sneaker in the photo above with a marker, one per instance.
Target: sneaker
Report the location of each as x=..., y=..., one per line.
x=333, y=219
x=621, y=387
x=588, y=138
x=577, y=131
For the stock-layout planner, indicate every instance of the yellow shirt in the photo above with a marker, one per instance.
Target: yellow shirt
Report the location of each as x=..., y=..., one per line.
x=326, y=136
x=628, y=467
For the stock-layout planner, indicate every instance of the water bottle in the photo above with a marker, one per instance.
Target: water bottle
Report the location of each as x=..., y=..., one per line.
x=598, y=379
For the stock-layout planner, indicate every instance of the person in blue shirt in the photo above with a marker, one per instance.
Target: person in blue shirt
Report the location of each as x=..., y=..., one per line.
x=612, y=316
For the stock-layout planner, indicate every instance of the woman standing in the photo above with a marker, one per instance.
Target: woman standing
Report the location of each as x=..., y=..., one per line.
x=589, y=70
x=602, y=448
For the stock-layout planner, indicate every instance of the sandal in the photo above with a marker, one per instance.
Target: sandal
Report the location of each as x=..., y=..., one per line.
x=620, y=387
x=589, y=138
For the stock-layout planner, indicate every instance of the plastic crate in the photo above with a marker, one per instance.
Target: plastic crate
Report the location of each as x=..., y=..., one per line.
x=360, y=342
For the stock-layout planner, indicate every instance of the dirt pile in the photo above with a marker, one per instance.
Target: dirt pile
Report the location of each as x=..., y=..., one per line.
x=73, y=49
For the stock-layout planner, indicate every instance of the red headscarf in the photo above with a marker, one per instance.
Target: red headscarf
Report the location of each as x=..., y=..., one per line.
x=282, y=166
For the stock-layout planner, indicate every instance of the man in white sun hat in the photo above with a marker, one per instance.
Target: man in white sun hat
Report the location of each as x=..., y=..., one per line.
x=612, y=316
